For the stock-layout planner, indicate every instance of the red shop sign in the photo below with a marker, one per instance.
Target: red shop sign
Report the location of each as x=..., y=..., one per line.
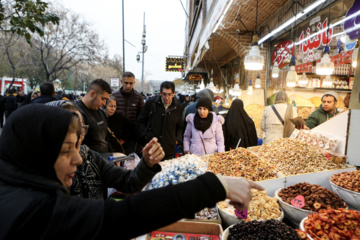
x=282, y=52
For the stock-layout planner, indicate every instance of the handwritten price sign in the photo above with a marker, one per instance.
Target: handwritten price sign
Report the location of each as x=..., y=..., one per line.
x=241, y=214
x=298, y=201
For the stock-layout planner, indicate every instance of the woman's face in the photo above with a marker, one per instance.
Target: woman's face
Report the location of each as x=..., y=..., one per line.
x=111, y=107
x=203, y=112
x=68, y=159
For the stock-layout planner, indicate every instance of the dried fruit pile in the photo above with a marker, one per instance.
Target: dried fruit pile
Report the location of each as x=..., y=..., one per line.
x=304, y=112
x=348, y=180
x=333, y=224
x=257, y=230
x=261, y=207
x=240, y=163
x=316, y=196
x=292, y=156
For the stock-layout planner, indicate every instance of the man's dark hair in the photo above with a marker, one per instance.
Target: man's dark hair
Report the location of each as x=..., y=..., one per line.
x=167, y=85
x=100, y=86
x=128, y=74
x=47, y=89
x=12, y=91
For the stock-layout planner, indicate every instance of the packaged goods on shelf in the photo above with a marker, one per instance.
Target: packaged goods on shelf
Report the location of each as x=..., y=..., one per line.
x=332, y=224
x=240, y=163
x=270, y=229
x=178, y=170
x=261, y=207
x=292, y=156
x=301, y=101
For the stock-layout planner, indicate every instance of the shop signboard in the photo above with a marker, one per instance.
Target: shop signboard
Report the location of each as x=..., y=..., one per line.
x=310, y=40
x=195, y=77
x=281, y=53
x=175, y=64
x=351, y=25
x=114, y=82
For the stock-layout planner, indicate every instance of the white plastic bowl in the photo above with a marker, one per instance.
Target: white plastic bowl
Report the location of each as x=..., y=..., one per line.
x=302, y=227
x=294, y=214
x=350, y=197
x=230, y=219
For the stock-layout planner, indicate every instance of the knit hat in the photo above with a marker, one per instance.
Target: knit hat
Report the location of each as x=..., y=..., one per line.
x=204, y=102
x=203, y=93
x=331, y=93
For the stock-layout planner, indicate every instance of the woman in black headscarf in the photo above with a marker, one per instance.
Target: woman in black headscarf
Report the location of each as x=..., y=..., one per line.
x=238, y=125
x=39, y=152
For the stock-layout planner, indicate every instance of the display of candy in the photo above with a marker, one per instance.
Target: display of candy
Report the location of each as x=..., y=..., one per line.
x=292, y=156
x=207, y=214
x=269, y=230
x=333, y=224
x=241, y=163
x=178, y=170
x=316, y=196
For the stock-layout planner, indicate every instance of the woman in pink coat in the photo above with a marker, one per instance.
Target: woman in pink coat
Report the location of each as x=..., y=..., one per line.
x=204, y=134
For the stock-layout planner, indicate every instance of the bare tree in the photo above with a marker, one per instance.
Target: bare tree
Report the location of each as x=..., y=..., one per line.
x=65, y=45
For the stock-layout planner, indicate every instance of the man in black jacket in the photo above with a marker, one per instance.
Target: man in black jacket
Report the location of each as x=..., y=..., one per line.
x=47, y=92
x=90, y=107
x=161, y=118
x=10, y=103
x=2, y=109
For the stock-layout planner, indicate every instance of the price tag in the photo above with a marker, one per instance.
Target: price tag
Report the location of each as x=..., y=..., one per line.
x=242, y=214
x=298, y=201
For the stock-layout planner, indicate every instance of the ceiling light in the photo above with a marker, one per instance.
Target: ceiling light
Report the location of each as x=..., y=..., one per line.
x=291, y=76
x=250, y=88
x=325, y=67
x=258, y=81
x=291, y=20
x=275, y=70
x=327, y=82
x=236, y=91
x=354, y=57
x=211, y=87
x=254, y=61
x=303, y=80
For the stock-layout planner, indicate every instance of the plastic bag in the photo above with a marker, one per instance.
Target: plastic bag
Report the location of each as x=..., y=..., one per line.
x=131, y=164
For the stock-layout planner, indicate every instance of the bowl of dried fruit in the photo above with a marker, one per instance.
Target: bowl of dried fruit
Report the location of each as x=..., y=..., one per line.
x=314, y=198
x=269, y=229
x=331, y=224
x=261, y=207
x=347, y=186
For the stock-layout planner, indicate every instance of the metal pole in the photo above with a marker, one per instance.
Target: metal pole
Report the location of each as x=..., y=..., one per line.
x=123, y=33
x=143, y=52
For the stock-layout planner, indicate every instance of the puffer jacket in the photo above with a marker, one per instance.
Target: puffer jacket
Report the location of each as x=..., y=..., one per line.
x=319, y=116
x=213, y=137
x=129, y=104
x=166, y=125
x=270, y=123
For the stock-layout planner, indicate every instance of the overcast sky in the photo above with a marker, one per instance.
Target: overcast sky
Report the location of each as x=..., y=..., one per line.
x=165, y=31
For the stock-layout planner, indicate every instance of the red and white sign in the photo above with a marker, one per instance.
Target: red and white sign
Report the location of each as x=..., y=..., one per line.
x=282, y=52
x=114, y=82
x=309, y=44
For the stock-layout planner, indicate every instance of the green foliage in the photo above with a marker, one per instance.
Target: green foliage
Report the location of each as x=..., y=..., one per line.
x=28, y=16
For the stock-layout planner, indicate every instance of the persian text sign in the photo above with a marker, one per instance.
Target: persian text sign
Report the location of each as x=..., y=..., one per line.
x=175, y=64
x=282, y=52
x=311, y=41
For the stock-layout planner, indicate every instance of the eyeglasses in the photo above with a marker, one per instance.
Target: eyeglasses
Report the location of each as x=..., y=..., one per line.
x=84, y=129
x=167, y=94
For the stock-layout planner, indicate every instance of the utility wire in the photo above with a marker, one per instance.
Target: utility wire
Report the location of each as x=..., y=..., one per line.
x=184, y=8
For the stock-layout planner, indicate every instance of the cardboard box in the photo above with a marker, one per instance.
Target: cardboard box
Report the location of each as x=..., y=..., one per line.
x=196, y=230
